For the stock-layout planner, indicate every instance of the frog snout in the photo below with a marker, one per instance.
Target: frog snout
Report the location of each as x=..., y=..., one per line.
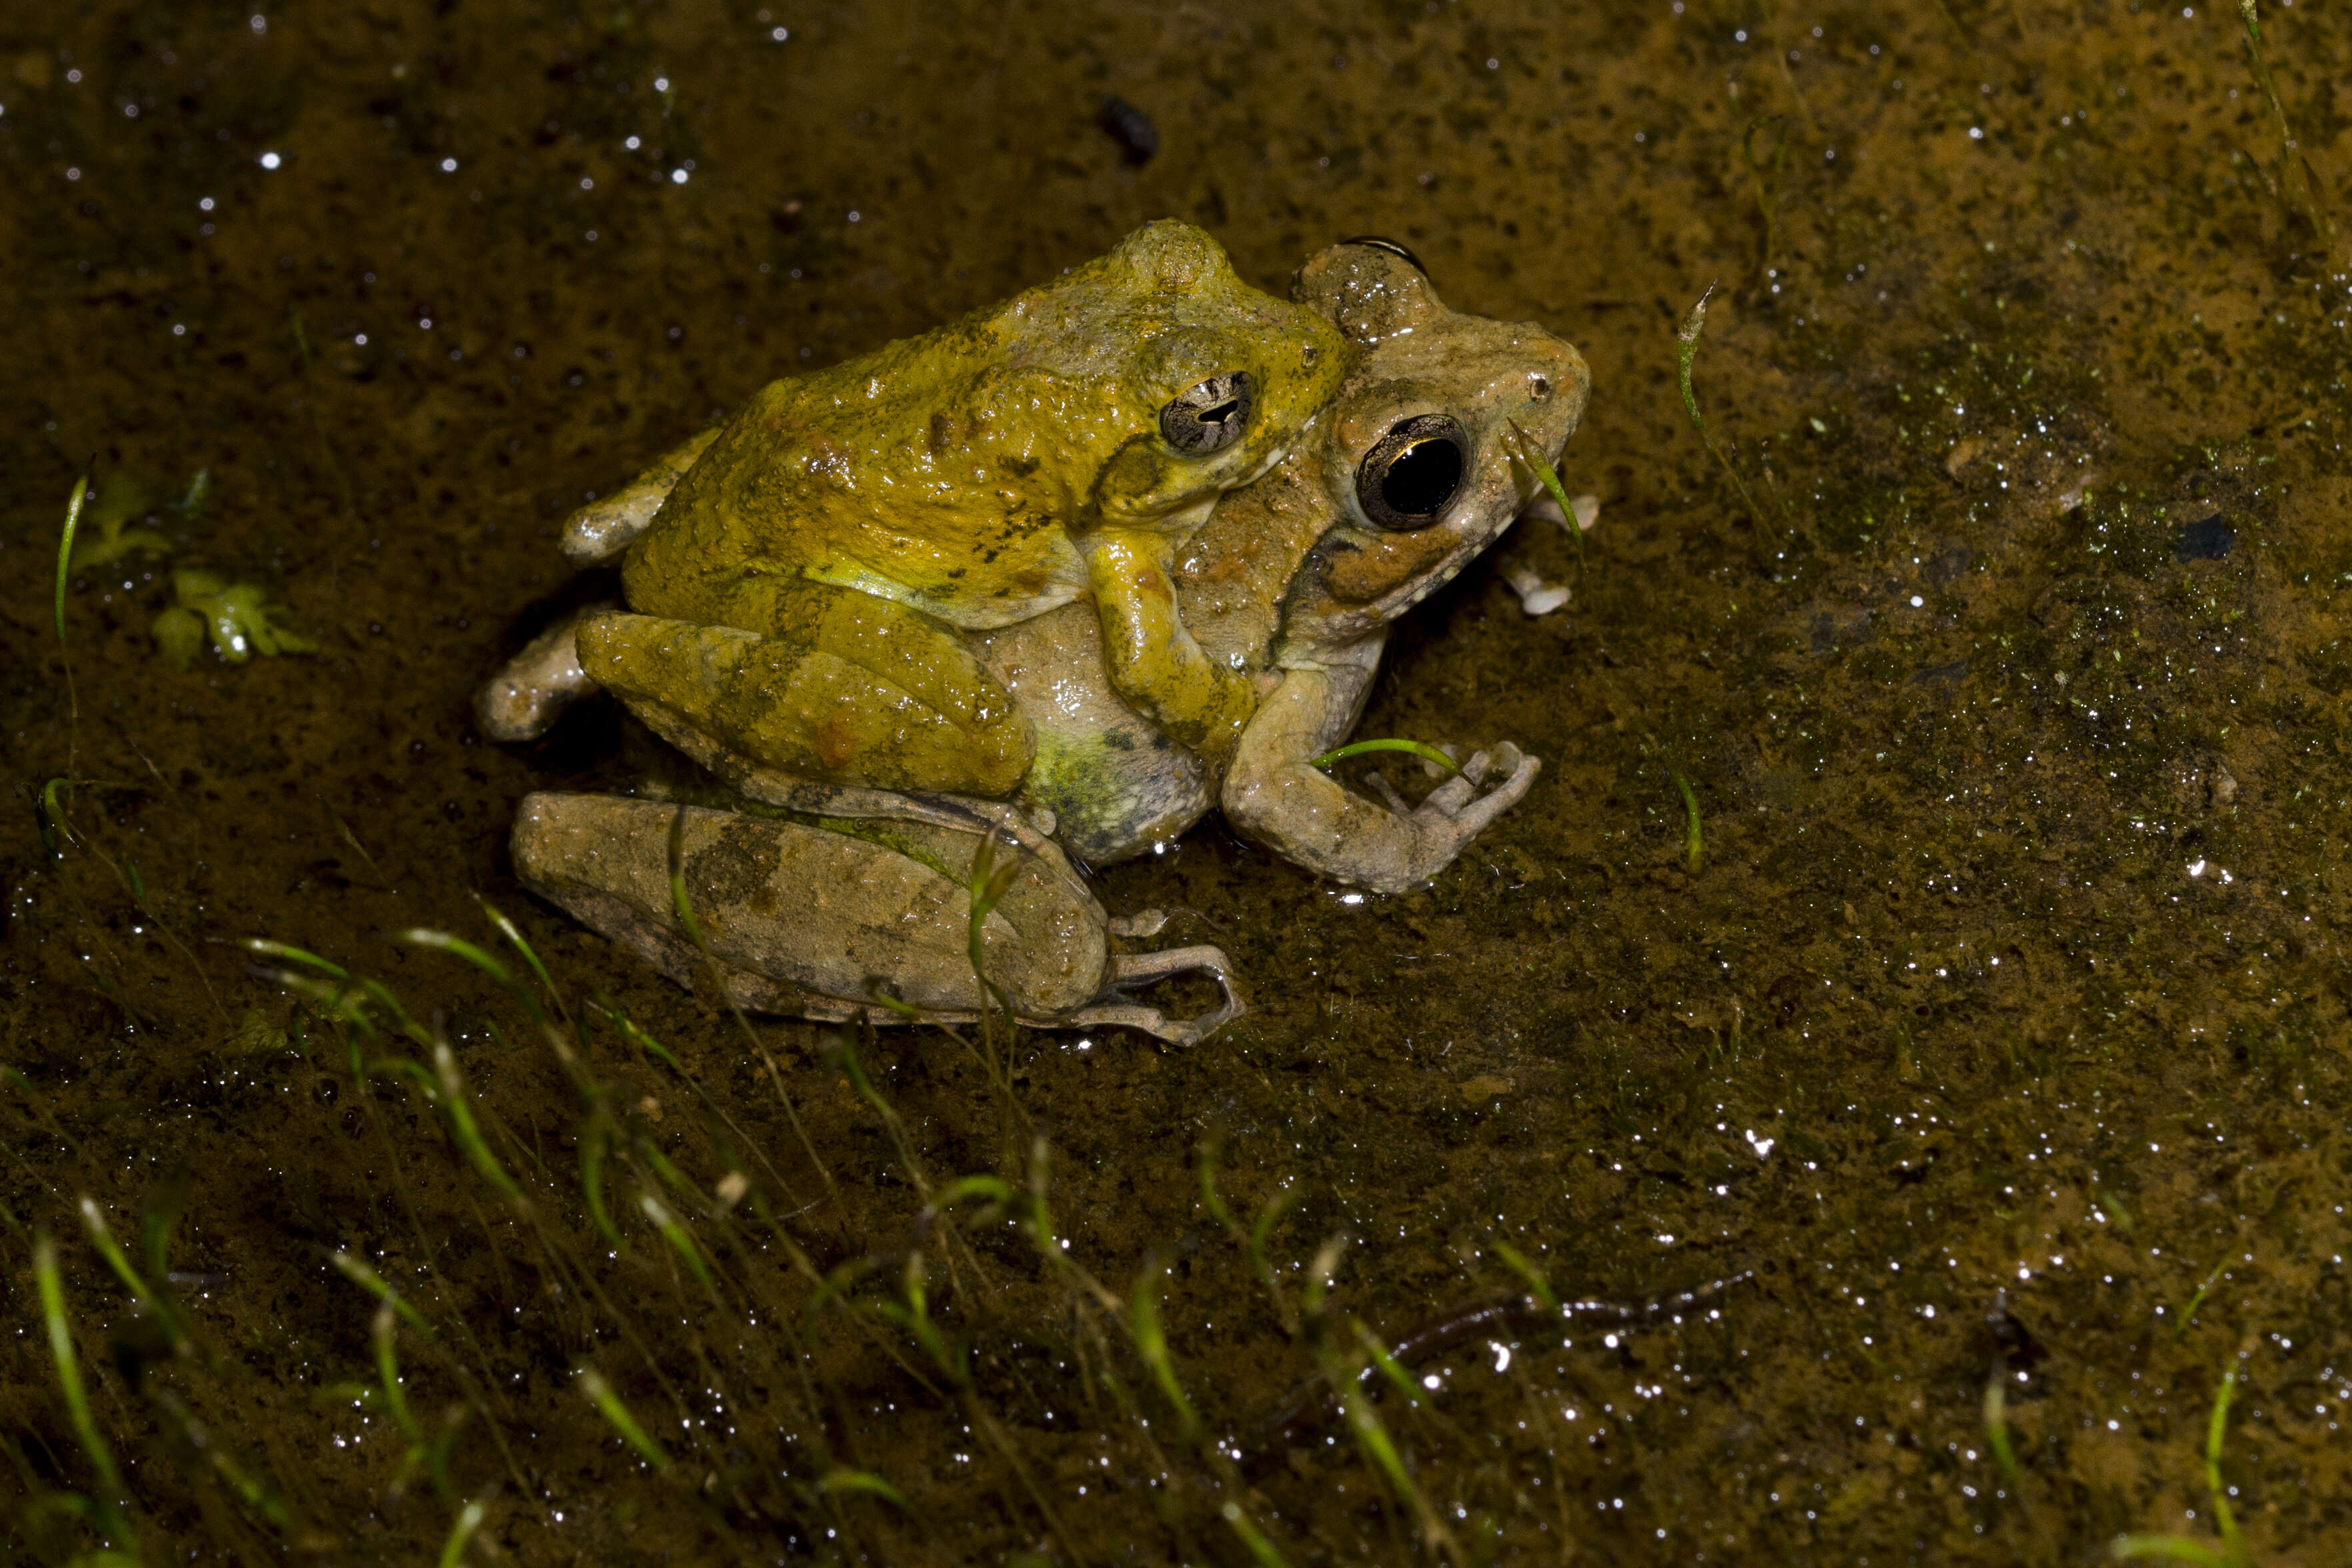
x=1545, y=392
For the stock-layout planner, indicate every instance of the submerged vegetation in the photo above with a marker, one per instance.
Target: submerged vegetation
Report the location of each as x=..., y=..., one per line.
x=685, y=1267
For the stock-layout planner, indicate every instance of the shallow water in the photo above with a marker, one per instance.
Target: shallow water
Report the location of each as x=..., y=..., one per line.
x=1992, y=1043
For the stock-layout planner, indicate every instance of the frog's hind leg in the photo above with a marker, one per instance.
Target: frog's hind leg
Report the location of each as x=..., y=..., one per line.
x=810, y=919
x=1134, y=969
x=849, y=688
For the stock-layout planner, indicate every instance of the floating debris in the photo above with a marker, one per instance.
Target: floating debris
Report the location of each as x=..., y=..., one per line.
x=1138, y=138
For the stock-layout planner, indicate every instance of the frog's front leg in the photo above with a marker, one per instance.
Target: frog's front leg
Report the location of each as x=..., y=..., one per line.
x=598, y=532
x=531, y=690
x=1153, y=661
x=1274, y=795
x=872, y=918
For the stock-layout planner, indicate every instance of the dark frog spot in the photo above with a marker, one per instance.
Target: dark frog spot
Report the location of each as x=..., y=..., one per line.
x=1944, y=674
x=2208, y=539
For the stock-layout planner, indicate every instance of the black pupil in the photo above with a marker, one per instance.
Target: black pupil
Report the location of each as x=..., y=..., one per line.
x=1422, y=478
x=1222, y=412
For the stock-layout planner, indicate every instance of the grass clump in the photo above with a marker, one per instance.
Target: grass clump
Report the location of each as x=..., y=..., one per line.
x=2231, y=1552
x=2290, y=176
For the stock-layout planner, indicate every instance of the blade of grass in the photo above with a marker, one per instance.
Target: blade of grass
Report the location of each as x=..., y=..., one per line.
x=164, y=1312
x=2295, y=190
x=1532, y=455
x=382, y=1332
x=1422, y=749
x=112, y=1496
x=1262, y=1550
x=2233, y=1545
x=2180, y=1328
x=1691, y=840
x=469, y=1519
x=1686, y=352
x=65, y=546
x=679, y=902
x=616, y=1415
x=866, y=1482
x=1151, y=1344
x=1996, y=1424
x=460, y=1113
x=1538, y=1286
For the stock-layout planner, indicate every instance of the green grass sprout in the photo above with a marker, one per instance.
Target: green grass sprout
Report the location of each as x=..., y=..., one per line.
x=442, y=942
x=57, y=832
x=65, y=547
x=679, y=901
x=2293, y=183
x=863, y=1481
x=383, y=1333
x=458, y=1111
x=361, y=1273
x=1394, y=1371
x=616, y=1415
x=2216, y=1432
x=1686, y=341
x=986, y=884
x=1532, y=455
x=1538, y=1286
x=153, y=1304
x=1996, y=1424
x=2180, y=1328
x=1422, y=749
x=1262, y=1550
x=508, y=930
x=1152, y=1343
x=1261, y=1230
x=1692, y=843
x=680, y=1242
x=112, y=1495
x=2231, y=1553
x=469, y=1519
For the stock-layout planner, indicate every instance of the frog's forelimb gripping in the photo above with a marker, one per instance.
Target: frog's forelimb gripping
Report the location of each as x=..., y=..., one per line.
x=1276, y=795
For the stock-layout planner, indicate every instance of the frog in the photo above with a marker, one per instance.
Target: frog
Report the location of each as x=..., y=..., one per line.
x=838, y=902
x=802, y=592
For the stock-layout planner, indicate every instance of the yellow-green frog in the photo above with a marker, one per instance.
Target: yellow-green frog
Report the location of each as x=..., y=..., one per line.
x=841, y=895
x=801, y=597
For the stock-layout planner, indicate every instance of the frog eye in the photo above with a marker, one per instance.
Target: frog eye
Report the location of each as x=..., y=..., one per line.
x=1209, y=416
x=1394, y=248
x=1412, y=474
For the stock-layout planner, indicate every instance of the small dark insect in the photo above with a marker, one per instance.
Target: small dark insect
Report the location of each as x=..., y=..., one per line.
x=1128, y=126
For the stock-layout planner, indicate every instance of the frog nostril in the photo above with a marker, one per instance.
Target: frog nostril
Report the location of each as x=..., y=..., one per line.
x=1539, y=387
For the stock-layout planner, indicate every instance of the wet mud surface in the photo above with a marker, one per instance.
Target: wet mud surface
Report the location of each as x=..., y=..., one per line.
x=1987, y=1035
